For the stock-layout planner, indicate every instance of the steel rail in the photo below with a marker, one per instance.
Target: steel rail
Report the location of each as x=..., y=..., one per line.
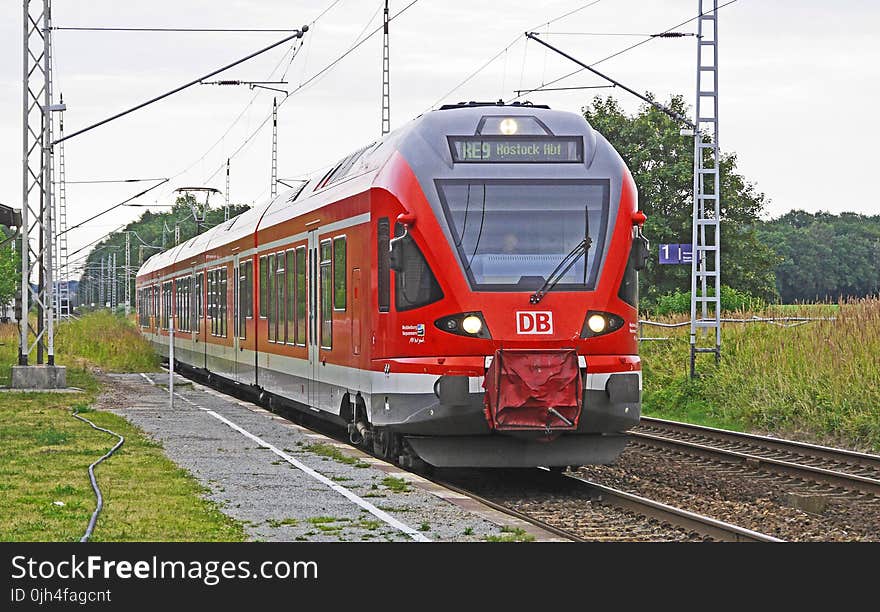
x=798, y=470
x=675, y=517
x=669, y=515
x=500, y=507
x=816, y=450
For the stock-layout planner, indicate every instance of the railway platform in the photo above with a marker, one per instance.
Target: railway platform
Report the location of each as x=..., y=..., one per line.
x=287, y=483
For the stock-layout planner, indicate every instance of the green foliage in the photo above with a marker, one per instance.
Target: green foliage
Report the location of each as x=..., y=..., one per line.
x=155, y=232
x=818, y=380
x=679, y=302
x=398, y=485
x=824, y=256
x=108, y=341
x=45, y=454
x=661, y=161
x=10, y=267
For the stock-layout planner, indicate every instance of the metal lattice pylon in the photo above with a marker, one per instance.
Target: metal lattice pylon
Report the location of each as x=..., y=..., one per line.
x=226, y=207
x=37, y=203
x=273, y=188
x=61, y=255
x=127, y=273
x=706, y=237
x=386, y=76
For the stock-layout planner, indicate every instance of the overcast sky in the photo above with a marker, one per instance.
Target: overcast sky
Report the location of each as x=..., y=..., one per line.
x=798, y=80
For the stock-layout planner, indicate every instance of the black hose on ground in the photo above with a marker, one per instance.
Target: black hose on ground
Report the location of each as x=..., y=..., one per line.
x=100, y=498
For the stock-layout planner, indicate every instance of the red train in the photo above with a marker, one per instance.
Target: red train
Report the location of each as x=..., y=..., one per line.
x=463, y=291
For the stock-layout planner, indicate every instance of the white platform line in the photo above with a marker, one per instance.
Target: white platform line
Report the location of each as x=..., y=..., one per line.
x=381, y=515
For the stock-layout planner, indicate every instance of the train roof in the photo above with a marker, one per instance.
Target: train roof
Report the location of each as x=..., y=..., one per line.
x=356, y=172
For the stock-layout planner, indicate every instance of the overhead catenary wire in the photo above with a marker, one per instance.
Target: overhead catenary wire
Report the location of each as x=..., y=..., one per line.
x=294, y=49
x=99, y=181
x=114, y=207
x=127, y=29
x=627, y=34
x=618, y=53
x=569, y=88
x=644, y=98
x=513, y=42
x=298, y=34
x=96, y=240
x=306, y=83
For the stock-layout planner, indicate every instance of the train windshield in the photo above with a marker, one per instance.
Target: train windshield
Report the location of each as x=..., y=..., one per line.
x=511, y=235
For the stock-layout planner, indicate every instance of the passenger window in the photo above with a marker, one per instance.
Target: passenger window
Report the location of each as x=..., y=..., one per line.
x=223, y=299
x=326, y=295
x=279, y=298
x=243, y=298
x=290, y=325
x=339, y=296
x=270, y=297
x=414, y=286
x=264, y=285
x=629, y=286
x=200, y=301
x=301, y=296
x=383, y=231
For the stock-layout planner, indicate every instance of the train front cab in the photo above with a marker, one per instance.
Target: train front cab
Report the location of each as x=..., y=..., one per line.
x=496, y=360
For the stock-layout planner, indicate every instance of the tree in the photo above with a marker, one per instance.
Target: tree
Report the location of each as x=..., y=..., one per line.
x=154, y=232
x=824, y=256
x=10, y=266
x=661, y=161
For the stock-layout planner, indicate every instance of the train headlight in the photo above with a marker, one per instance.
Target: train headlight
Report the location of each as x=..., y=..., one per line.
x=597, y=323
x=600, y=323
x=472, y=325
x=468, y=324
x=508, y=126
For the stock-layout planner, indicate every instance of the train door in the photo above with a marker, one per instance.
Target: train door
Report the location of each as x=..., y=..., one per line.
x=356, y=311
x=203, y=321
x=313, y=339
x=237, y=319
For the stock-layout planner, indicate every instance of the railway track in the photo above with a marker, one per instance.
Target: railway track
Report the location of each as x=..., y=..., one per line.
x=578, y=509
x=566, y=505
x=840, y=468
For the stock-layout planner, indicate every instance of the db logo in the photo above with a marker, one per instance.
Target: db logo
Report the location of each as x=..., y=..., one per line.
x=534, y=322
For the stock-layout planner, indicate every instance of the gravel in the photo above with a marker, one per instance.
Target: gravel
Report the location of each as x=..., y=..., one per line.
x=751, y=498
x=566, y=504
x=275, y=500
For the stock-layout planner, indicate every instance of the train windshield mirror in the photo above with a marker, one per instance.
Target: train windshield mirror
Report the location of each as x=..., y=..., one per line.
x=511, y=235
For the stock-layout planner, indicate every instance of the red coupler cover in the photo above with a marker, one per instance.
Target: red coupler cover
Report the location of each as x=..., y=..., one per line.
x=527, y=389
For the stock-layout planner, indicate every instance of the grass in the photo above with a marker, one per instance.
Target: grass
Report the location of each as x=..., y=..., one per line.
x=398, y=485
x=820, y=380
x=510, y=534
x=108, y=341
x=331, y=452
x=329, y=525
x=45, y=453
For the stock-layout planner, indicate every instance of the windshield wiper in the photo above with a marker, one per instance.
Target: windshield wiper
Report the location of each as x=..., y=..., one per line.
x=567, y=262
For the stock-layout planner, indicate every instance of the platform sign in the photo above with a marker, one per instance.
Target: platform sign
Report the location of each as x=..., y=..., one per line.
x=676, y=253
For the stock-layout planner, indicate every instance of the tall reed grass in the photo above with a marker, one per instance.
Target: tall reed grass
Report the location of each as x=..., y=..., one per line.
x=107, y=341
x=820, y=380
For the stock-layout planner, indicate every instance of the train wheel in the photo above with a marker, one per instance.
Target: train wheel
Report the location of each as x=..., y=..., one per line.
x=386, y=444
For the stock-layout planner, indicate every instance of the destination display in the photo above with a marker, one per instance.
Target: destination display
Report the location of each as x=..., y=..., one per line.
x=517, y=149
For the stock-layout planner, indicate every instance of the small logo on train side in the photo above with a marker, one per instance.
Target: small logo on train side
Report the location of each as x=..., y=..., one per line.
x=540, y=322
